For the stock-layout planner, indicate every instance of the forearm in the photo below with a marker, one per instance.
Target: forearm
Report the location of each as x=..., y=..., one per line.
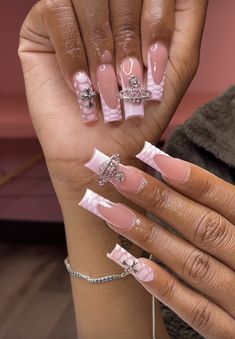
x=120, y=309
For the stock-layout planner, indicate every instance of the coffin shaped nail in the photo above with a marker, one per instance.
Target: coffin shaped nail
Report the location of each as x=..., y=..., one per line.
x=148, y=154
x=171, y=168
x=135, y=266
x=108, y=88
x=86, y=97
x=109, y=169
x=157, y=59
x=116, y=214
x=131, y=67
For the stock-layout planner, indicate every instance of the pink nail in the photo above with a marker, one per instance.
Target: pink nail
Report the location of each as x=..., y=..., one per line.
x=83, y=88
x=108, y=88
x=137, y=267
x=131, y=66
x=157, y=59
x=134, y=181
x=171, y=168
x=115, y=214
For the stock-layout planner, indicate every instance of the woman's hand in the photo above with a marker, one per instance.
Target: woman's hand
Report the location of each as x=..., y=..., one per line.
x=61, y=39
x=201, y=207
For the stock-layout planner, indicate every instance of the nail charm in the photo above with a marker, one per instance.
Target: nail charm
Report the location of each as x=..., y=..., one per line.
x=134, y=93
x=86, y=97
x=109, y=169
x=131, y=79
x=131, y=264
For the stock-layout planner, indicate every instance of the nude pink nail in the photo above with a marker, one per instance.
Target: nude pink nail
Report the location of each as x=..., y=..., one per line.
x=171, y=168
x=157, y=59
x=135, y=266
x=86, y=97
x=108, y=88
x=131, y=66
x=134, y=181
x=115, y=214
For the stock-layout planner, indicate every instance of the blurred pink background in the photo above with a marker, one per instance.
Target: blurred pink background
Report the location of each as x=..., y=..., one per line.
x=30, y=196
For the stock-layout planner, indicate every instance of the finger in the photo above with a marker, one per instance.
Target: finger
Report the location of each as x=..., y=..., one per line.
x=93, y=17
x=157, y=25
x=125, y=20
x=201, y=314
x=205, y=228
x=197, y=268
x=193, y=181
x=183, y=55
x=61, y=25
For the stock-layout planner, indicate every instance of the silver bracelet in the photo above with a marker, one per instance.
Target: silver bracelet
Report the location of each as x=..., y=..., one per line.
x=94, y=280
x=108, y=278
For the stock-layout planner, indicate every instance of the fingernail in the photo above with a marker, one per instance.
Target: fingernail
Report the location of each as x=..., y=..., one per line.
x=132, y=180
x=131, y=67
x=171, y=168
x=86, y=97
x=136, y=267
x=108, y=88
x=157, y=59
x=115, y=214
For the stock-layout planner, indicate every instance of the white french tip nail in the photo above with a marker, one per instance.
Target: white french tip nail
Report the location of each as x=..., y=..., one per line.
x=126, y=260
x=156, y=89
x=91, y=200
x=96, y=160
x=148, y=153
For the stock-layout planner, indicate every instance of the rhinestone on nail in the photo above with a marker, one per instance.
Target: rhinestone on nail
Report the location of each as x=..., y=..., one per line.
x=134, y=93
x=87, y=95
x=109, y=170
x=131, y=266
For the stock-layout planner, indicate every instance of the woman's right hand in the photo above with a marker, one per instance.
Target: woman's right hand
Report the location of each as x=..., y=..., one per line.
x=62, y=41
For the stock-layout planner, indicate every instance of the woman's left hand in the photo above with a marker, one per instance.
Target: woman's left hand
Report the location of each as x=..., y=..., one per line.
x=198, y=205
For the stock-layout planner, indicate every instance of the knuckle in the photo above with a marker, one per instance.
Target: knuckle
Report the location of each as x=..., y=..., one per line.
x=212, y=230
x=100, y=35
x=149, y=235
x=162, y=30
x=126, y=31
x=201, y=315
x=27, y=33
x=206, y=188
x=168, y=291
x=197, y=266
x=158, y=198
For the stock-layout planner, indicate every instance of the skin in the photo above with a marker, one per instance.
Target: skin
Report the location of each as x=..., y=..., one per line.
x=51, y=50
x=204, y=258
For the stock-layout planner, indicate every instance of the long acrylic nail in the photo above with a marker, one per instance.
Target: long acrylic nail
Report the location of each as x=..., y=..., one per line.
x=115, y=214
x=157, y=59
x=86, y=97
x=108, y=88
x=132, y=179
x=171, y=168
x=131, y=67
x=135, y=266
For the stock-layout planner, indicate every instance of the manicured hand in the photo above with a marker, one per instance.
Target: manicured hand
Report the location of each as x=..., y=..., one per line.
x=97, y=45
x=201, y=208
x=62, y=41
